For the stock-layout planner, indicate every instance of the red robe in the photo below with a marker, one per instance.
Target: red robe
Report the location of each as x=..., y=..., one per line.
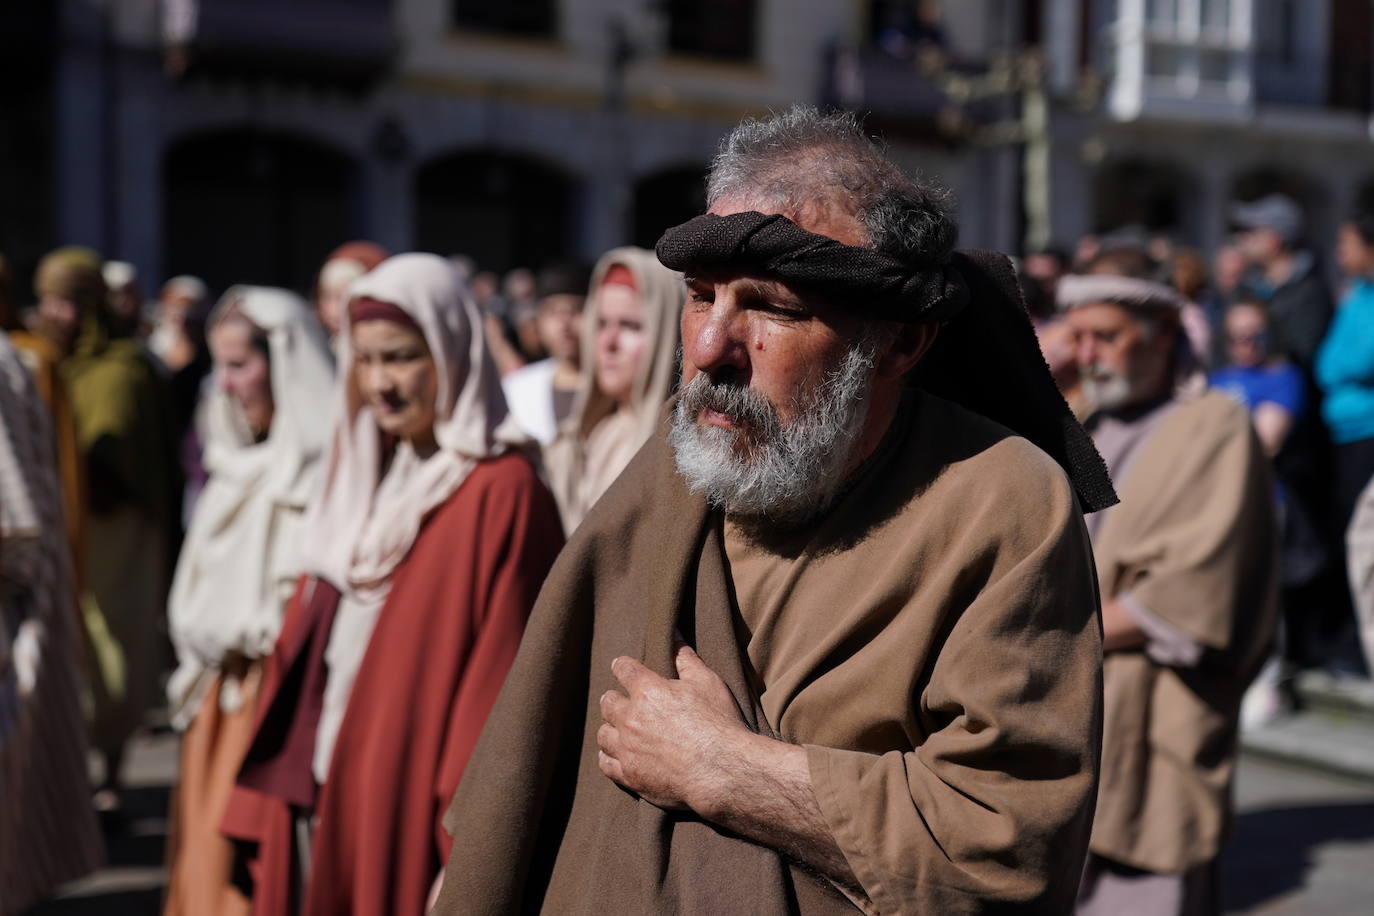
x=437, y=657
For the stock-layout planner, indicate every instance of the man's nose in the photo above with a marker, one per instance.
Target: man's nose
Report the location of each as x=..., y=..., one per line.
x=714, y=339
x=1085, y=351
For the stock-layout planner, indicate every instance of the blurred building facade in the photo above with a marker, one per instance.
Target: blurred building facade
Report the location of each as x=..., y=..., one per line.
x=242, y=139
x=1195, y=103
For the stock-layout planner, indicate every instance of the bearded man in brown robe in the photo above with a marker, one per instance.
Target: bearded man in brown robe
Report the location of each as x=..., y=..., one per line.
x=1187, y=566
x=830, y=643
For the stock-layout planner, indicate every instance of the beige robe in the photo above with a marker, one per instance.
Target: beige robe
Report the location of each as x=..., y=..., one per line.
x=933, y=641
x=1193, y=542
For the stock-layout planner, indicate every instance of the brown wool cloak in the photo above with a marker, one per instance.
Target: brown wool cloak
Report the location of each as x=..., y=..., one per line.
x=950, y=695
x=436, y=659
x=1193, y=541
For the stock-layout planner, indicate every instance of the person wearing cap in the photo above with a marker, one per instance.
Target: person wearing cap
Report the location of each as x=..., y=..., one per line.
x=125, y=298
x=1187, y=567
x=1284, y=275
x=830, y=642
x=540, y=395
x=172, y=338
x=124, y=444
x=344, y=264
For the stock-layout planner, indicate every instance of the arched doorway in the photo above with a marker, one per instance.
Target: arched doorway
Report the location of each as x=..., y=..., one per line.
x=1152, y=197
x=665, y=199
x=503, y=210
x=249, y=206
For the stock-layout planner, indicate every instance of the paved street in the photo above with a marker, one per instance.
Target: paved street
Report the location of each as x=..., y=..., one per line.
x=1304, y=844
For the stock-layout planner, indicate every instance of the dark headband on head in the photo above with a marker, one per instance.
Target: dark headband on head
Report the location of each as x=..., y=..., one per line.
x=876, y=284
x=986, y=356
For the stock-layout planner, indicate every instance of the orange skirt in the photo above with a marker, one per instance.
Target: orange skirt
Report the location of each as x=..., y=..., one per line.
x=200, y=859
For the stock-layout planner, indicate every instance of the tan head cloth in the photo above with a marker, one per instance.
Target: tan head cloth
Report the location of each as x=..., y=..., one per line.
x=598, y=440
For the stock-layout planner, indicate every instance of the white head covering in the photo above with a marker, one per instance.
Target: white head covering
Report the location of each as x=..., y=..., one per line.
x=598, y=439
x=241, y=554
x=361, y=525
x=357, y=538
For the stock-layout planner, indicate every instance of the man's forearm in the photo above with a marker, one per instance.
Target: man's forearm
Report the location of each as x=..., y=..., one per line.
x=1120, y=630
x=765, y=794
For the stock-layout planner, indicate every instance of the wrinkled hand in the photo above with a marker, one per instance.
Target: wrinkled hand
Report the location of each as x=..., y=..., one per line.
x=667, y=740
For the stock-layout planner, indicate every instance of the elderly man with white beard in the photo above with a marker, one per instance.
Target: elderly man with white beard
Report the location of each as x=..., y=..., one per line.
x=831, y=642
x=1187, y=564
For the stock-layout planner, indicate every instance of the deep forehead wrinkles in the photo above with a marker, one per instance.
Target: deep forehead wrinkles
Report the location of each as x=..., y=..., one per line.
x=822, y=215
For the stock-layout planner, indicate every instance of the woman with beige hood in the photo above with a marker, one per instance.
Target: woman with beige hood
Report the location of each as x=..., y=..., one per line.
x=630, y=333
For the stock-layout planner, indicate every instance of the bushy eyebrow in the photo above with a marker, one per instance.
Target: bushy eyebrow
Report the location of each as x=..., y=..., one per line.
x=756, y=287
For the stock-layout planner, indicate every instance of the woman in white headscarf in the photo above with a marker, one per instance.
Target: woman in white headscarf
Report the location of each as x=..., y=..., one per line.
x=266, y=428
x=425, y=548
x=47, y=827
x=629, y=367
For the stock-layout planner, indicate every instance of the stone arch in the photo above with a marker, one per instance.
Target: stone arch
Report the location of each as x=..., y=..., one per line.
x=504, y=209
x=245, y=205
x=1153, y=196
x=666, y=198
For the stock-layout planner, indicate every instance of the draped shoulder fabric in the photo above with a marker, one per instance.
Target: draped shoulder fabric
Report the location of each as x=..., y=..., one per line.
x=934, y=643
x=598, y=440
x=237, y=569
x=351, y=545
x=416, y=587
x=434, y=663
x=48, y=832
x=241, y=556
x=1194, y=542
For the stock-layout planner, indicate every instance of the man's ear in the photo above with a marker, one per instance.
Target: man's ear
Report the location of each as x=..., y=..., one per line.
x=911, y=342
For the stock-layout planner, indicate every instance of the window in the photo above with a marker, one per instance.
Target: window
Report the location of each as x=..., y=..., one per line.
x=719, y=29
x=516, y=18
x=1162, y=13
x=1216, y=15
x=1192, y=48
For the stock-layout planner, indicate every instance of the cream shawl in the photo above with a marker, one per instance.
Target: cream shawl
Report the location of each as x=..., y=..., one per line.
x=361, y=525
x=242, y=551
x=598, y=440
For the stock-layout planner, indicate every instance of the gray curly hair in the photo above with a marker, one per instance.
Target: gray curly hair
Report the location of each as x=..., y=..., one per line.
x=796, y=159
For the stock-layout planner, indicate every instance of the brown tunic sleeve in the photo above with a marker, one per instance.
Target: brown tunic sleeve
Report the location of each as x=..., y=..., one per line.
x=991, y=810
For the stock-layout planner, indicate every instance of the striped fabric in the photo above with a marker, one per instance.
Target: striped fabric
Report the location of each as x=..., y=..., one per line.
x=48, y=833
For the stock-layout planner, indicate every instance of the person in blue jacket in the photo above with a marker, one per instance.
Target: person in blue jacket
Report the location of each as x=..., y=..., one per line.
x=1345, y=372
x=1345, y=364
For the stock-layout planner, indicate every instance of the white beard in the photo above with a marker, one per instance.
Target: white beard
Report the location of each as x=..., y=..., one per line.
x=1107, y=391
x=761, y=470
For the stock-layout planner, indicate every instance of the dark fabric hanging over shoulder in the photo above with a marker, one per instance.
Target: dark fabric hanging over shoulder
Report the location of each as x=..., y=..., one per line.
x=986, y=356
